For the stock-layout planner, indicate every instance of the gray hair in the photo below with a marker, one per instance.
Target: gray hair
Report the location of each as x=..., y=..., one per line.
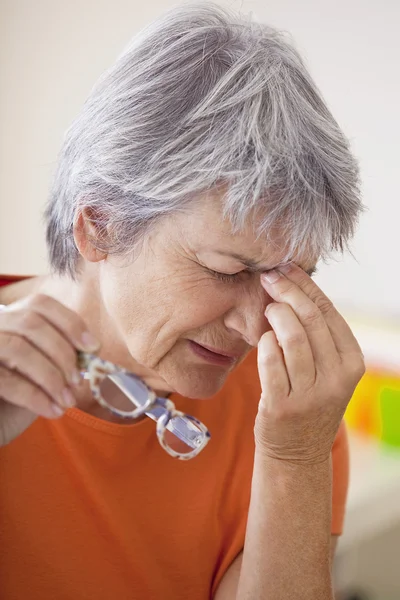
x=204, y=97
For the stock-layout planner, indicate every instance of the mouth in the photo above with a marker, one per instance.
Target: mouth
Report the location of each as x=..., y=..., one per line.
x=214, y=355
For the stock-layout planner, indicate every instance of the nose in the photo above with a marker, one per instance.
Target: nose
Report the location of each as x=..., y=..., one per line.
x=247, y=316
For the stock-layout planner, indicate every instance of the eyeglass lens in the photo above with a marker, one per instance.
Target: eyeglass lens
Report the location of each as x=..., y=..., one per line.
x=124, y=392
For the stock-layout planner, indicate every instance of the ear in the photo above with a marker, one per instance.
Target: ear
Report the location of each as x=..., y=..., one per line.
x=89, y=235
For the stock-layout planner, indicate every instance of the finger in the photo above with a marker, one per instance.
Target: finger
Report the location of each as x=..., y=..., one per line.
x=71, y=325
x=281, y=289
x=295, y=345
x=18, y=419
x=341, y=333
x=47, y=339
x=18, y=354
x=272, y=370
x=17, y=390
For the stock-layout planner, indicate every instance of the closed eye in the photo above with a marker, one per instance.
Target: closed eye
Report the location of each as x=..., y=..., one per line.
x=227, y=277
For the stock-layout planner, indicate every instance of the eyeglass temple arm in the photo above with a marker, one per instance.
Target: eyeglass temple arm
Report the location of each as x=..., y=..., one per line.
x=180, y=426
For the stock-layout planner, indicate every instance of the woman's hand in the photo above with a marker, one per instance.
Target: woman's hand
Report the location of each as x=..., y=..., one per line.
x=309, y=366
x=39, y=338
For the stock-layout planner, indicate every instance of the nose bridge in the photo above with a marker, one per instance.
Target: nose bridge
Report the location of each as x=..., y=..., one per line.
x=247, y=316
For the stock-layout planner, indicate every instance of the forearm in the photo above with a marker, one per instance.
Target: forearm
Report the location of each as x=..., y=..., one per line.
x=287, y=547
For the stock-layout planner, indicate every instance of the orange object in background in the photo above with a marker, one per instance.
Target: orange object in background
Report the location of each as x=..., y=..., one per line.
x=374, y=410
x=363, y=414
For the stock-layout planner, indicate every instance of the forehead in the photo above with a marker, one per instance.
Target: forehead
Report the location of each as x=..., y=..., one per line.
x=207, y=231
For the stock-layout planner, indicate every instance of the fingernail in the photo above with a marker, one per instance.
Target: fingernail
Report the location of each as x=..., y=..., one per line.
x=271, y=276
x=89, y=341
x=76, y=377
x=57, y=410
x=68, y=398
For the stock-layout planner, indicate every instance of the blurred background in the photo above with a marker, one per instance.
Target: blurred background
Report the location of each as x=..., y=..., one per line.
x=51, y=53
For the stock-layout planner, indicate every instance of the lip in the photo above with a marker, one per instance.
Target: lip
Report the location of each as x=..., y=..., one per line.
x=213, y=355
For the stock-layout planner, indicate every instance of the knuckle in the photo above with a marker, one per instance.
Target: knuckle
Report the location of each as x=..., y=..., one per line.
x=268, y=359
x=295, y=338
x=14, y=346
x=304, y=281
x=30, y=321
x=275, y=308
x=325, y=305
x=358, y=367
x=339, y=388
x=272, y=306
x=288, y=288
x=268, y=353
x=311, y=317
x=40, y=300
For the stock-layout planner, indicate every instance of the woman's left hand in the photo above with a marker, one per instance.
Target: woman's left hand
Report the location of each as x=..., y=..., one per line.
x=309, y=366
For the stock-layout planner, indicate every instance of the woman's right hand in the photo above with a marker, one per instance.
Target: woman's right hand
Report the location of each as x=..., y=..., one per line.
x=310, y=364
x=39, y=338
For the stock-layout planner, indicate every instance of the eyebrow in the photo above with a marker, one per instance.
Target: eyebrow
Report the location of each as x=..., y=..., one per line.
x=255, y=266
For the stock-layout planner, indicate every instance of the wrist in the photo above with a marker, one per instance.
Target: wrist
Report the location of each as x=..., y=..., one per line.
x=303, y=491
x=293, y=473
x=297, y=448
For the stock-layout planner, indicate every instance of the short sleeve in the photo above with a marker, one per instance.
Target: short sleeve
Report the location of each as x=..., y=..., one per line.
x=340, y=479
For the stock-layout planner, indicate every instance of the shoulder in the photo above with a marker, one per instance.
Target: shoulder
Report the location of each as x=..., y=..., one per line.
x=15, y=287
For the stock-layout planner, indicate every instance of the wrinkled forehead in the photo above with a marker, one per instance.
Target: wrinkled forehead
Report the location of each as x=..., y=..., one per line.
x=209, y=231
x=258, y=253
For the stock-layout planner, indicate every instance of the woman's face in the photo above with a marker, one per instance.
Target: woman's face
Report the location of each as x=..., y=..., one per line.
x=190, y=306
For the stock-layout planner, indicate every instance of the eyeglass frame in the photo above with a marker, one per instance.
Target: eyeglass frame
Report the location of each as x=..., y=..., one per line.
x=162, y=410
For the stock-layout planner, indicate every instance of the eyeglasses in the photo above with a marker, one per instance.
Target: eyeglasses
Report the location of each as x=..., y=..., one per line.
x=127, y=396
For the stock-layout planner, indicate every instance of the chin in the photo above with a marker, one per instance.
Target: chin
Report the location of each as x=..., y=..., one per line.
x=195, y=380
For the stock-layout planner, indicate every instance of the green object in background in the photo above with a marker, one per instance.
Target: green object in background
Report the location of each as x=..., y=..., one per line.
x=390, y=415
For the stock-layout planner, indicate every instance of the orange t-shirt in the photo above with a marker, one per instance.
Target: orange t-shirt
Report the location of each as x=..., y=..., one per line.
x=93, y=509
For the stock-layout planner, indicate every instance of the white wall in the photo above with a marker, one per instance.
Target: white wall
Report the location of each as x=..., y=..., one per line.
x=51, y=52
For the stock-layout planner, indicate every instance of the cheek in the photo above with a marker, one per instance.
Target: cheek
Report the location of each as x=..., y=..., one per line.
x=142, y=322
x=126, y=297
x=151, y=314
x=171, y=311
x=205, y=303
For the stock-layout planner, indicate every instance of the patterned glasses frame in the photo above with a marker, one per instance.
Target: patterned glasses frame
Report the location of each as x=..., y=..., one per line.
x=186, y=428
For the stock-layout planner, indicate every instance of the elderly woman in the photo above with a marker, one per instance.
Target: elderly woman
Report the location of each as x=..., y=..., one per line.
x=194, y=195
